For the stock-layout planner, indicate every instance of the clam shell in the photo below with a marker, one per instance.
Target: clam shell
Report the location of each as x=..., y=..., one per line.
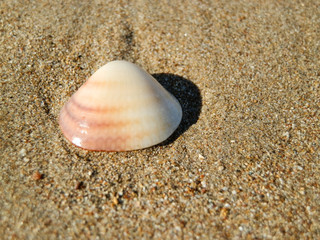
x=120, y=108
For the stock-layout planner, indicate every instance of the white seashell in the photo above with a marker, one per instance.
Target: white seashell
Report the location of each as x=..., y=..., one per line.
x=120, y=108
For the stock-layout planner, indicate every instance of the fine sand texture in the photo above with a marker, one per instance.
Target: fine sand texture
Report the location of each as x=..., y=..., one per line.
x=245, y=161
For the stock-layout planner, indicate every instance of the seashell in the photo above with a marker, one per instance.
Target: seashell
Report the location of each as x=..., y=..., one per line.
x=120, y=108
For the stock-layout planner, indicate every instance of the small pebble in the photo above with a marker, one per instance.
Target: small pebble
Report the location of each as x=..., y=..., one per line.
x=224, y=212
x=286, y=135
x=220, y=168
x=115, y=200
x=36, y=176
x=22, y=153
x=78, y=185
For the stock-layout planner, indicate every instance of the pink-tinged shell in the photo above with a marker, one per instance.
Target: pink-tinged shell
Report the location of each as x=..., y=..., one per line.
x=120, y=108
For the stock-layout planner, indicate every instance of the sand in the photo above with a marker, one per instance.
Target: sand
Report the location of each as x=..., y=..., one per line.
x=245, y=162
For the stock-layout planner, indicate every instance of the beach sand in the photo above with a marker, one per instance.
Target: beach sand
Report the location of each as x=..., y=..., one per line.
x=244, y=163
